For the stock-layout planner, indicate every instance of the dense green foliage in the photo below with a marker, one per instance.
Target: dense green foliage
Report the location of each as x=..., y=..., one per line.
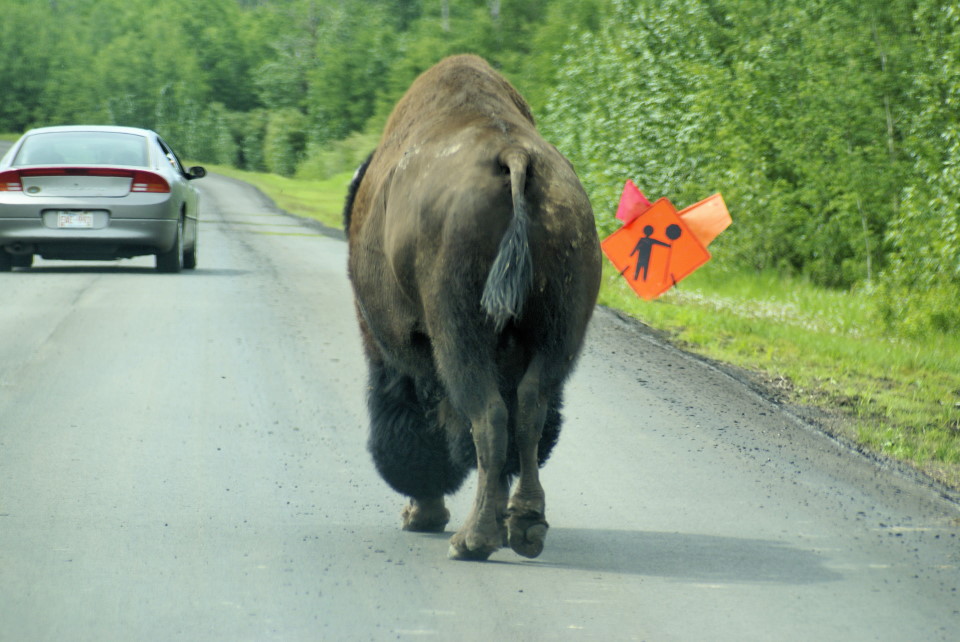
x=831, y=127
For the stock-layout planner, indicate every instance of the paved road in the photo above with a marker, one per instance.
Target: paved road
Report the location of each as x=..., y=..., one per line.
x=182, y=458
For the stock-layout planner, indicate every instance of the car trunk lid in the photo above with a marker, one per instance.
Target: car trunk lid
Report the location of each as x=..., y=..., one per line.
x=89, y=182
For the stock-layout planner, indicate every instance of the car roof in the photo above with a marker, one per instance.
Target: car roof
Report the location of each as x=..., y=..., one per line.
x=91, y=128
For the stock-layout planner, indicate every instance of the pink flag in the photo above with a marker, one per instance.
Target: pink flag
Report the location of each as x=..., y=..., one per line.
x=632, y=203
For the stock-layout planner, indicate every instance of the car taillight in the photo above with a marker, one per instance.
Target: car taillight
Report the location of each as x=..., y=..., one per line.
x=140, y=181
x=10, y=181
x=149, y=182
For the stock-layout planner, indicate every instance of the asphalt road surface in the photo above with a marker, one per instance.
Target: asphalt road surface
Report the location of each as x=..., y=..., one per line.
x=182, y=457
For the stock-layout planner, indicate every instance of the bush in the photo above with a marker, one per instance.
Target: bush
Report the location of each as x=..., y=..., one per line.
x=687, y=101
x=325, y=161
x=285, y=141
x=922, y=284
x=251, y=147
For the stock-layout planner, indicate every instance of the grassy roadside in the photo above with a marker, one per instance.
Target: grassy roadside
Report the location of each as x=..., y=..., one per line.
x=321, y=200
x=894, y=396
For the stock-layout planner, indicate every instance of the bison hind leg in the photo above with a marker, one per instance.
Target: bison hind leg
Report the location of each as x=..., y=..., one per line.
x=410, y=450
x=527, y=525
x=536, y=430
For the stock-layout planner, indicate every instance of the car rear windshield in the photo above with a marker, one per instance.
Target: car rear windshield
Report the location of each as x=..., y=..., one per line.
x=83, y=148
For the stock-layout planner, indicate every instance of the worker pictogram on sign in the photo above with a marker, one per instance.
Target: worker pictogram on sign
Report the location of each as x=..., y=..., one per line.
x=655, y=250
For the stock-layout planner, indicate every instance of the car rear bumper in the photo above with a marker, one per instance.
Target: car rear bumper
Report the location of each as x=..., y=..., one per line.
x=119, y=238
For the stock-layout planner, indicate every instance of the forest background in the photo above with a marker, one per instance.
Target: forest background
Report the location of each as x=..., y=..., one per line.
x=832, y=127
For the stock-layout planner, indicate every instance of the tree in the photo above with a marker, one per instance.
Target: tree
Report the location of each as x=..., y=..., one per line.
x=354, y=50
x=27, y=56
x=830, y=127
x=922, y=285
x=786, y=109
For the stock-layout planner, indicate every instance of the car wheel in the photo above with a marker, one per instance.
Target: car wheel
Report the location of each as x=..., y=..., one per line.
x=22, y=260
x=172, y=260
x=190, y=256
x=6, y=261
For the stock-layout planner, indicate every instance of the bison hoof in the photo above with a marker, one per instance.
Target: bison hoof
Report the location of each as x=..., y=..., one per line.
x=466, y=555
x=425, y=516
x=471, y=546
x=527, y=535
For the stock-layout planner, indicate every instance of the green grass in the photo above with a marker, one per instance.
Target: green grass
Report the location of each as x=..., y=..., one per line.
x=321, y=200
x=894, y=396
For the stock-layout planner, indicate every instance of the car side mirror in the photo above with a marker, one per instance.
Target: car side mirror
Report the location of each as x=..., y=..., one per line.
x=196, y=172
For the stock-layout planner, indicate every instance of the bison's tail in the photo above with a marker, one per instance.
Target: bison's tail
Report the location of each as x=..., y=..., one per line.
x=511, y=275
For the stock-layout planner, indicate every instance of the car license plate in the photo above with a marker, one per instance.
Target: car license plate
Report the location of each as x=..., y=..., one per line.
x=74, y=220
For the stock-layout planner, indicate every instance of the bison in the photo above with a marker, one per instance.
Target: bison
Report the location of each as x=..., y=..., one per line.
x=475, y=265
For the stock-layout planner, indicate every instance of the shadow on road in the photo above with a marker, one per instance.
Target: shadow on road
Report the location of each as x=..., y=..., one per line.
x=125, y=269
x=700, y=558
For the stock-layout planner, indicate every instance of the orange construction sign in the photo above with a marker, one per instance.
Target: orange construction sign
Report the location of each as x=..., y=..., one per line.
x=655, y=250
x=658, y=246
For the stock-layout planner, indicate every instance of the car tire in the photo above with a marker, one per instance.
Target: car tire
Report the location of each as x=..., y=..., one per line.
x=171, y=261
x=190, y=256
x=6, y=261
x=22, y=260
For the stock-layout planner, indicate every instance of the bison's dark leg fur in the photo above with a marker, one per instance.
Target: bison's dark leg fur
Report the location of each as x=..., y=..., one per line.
x=410, y=449
x=526, y=523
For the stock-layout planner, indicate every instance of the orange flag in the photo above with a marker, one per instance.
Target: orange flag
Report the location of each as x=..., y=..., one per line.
x=707, y=218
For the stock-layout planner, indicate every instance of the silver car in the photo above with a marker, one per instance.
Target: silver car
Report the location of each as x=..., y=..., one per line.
x=96, y=193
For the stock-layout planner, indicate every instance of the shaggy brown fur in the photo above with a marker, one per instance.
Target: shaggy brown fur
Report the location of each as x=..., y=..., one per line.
x=475, y=263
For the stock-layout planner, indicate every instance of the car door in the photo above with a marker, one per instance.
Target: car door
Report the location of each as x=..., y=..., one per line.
x=185, y=190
